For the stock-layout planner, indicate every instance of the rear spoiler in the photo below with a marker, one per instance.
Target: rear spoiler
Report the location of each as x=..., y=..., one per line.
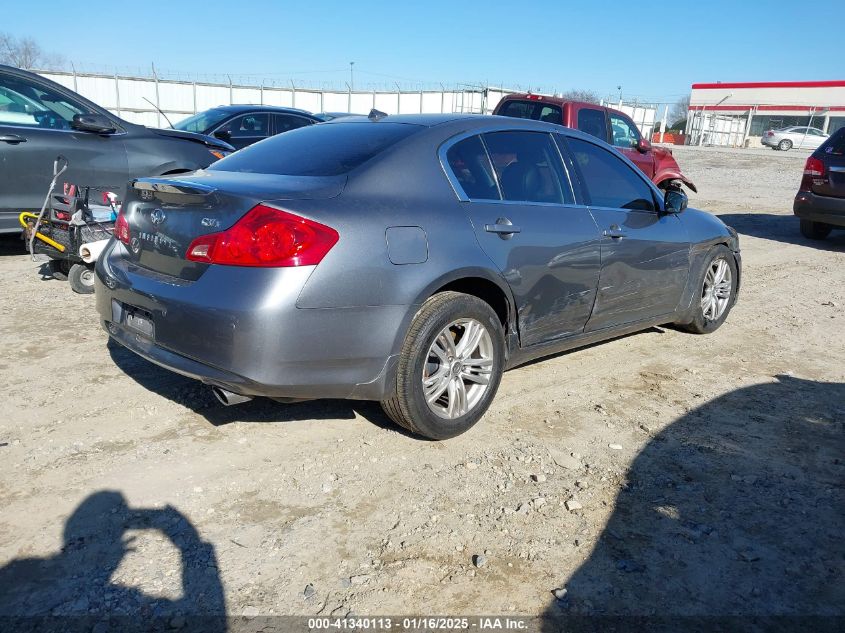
x=172, y=191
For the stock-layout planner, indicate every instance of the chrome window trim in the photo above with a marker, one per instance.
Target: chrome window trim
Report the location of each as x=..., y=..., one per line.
x=119, y=131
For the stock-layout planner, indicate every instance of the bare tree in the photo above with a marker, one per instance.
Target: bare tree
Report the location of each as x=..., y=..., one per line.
x=581, y=95
x=24, y=52
x=679, y=111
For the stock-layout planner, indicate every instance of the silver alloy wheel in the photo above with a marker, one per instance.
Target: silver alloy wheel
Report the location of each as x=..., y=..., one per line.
x=716, y=292
x=87, y=277
x=458, y=368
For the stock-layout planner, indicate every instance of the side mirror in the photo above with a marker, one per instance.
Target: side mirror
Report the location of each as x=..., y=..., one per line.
x=675, y=201
x=223, y=135
x=95, y=123
x=643, y=146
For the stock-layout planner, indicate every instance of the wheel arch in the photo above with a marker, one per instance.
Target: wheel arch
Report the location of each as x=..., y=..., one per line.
x=478, y=282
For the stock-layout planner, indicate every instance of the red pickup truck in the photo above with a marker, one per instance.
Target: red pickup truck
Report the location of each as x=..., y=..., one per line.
x=611, y=126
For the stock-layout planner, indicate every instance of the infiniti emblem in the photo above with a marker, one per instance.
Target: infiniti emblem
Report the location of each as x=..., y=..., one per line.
x=157, y=217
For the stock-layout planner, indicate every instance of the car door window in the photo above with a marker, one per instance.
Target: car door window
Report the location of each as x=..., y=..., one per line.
x=247, y=126
x=609, y=180
x=592, y=122
x=528, y=167
x=470, y=166
x=623, y=132
x=26, y=103
x=286, y=122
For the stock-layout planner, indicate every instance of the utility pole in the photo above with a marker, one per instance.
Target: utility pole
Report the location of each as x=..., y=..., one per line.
x=619, y=88
x=351, y=76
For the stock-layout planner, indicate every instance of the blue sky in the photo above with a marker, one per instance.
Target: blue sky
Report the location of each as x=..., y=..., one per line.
x=655, y=50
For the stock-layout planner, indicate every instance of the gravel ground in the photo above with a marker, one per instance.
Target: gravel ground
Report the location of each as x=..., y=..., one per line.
x=660, y=473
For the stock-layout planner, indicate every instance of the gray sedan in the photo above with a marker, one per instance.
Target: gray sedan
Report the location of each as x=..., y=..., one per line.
x=786, y=138
x=406, y=259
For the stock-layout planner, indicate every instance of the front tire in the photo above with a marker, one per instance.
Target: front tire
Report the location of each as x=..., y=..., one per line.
x=449, y=368
x=717, y=286
x=785, y=145
x=81, y=279
x=815, y=230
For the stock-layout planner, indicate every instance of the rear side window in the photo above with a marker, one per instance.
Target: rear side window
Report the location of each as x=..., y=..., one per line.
x=835, y=144
x=528, y=167
x=532, y=110
x=287, y=122
x=608, y=179
x=469, y=163
x=592, y=122
x=318, y=150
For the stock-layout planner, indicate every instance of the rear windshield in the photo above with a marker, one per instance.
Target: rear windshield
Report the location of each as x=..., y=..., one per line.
x=532, y=110
x=835, y=144
x=326, y=149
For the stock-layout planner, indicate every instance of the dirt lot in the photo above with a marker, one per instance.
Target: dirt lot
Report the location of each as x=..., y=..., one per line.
x=660, y=473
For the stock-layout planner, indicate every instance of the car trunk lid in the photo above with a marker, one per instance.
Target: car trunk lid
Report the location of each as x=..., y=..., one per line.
x=164, y=215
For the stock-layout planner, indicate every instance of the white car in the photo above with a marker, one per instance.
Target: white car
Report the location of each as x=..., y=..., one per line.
x=794, y=136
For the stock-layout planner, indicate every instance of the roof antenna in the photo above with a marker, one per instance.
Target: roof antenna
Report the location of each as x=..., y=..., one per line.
x=376, y=115
x=160, y=111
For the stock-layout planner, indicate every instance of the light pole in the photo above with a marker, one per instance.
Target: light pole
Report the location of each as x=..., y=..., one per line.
x=351, y=76
x=619, y=88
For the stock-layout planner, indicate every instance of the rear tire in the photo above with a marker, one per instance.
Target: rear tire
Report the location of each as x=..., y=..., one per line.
x=717, y=285
x=445, y=382
x=815, y=230
x=785, y=145
x=81, y=279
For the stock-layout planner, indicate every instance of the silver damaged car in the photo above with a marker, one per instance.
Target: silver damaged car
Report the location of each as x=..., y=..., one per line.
x=405, y=259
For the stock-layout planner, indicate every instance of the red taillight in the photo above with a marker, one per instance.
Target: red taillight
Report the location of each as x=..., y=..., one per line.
x=813, y=169
x=121, y=227
x=770, y=133
x=266, y=237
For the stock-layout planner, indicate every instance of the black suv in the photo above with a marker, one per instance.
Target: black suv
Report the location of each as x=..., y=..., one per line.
x=820, y=201
x=39, y=120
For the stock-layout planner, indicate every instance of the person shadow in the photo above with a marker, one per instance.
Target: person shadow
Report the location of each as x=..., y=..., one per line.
x=732, y=518
x=73, y=591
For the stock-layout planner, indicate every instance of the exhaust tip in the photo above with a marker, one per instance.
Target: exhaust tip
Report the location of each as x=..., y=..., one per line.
x=229, y=398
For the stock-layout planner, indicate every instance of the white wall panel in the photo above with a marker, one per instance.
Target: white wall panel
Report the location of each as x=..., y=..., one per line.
x=387, y=102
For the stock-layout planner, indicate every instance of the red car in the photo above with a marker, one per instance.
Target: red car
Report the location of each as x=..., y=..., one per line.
x=611, y=126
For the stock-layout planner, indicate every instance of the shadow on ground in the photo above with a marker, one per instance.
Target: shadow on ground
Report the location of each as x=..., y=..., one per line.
x=198, y=397
x=736, y=509
x=781, y=228
x=12, y=244
x=72, y=590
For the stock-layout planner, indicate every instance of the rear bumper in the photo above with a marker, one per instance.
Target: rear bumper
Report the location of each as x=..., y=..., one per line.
x=240, y=329
x=809, y=206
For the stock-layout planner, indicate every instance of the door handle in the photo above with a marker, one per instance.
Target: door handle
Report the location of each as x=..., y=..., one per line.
x=614, y=232
x=14, y=139
x=503, y=227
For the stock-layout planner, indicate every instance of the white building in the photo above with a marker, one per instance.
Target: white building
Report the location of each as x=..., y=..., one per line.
x=736, y=113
